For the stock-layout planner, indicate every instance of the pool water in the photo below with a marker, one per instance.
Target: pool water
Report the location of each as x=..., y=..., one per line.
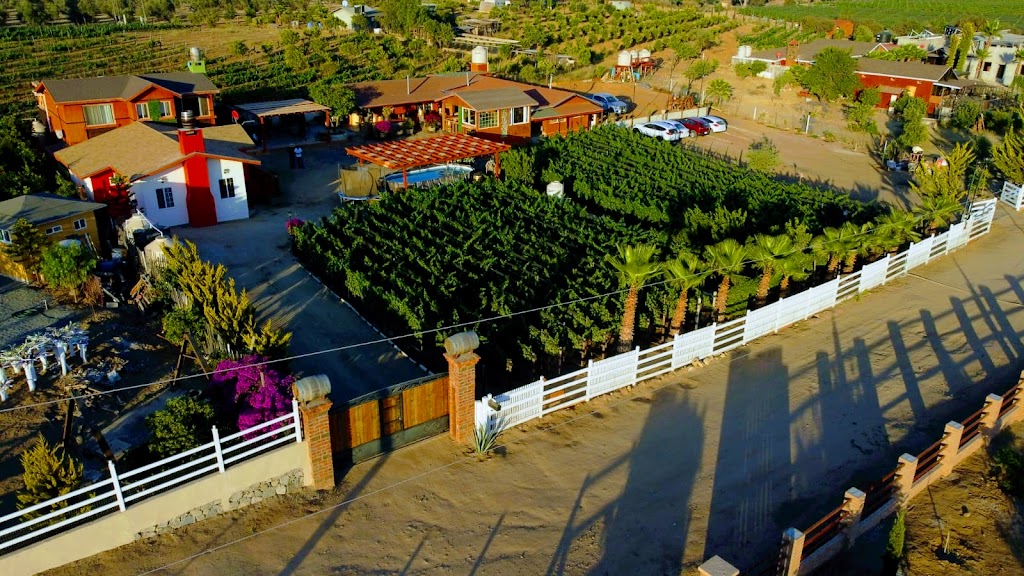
x=430, y=174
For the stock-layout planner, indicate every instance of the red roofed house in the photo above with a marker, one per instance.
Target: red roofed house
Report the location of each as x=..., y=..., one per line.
x=195, y=176
x=929, y=82
x=81, y=108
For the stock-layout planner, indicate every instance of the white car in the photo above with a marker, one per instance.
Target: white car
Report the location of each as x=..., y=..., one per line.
x=717, y=124
x=608, y=102
x=684, y=132
x=660, y=129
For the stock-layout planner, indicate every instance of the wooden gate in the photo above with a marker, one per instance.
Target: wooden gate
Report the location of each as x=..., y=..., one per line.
x=389, y=418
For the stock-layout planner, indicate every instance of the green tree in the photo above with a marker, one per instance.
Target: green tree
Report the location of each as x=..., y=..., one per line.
x=636, y=266
x=725, y=260
x=184, y=424
x=966, y=44
x=401, y=17
x=334, y=94
x=896, y=228
x=863, y=242
x=66, y=268
x=913, y=111
x=27, y=244
x=21, y=166
x=863, y=34
x=700, y=69
x=861, y=114
x=517, y=165
x=834, y=245
x=832, y=75
x=795, y=267
x=950, y=180
x=766, y=252
x=719, y=90
x=903, y=53
x=763, y=155
x=980, y=57
x=48, y=473
x=936, y=212
x=965, y=113
x=31, y=12
x=897, y=540
x=1008, y=157
x=684, y=273
x=952, y=56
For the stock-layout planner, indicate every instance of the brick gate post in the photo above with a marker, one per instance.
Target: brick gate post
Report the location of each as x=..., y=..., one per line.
x=311, y=392
x=462, y=385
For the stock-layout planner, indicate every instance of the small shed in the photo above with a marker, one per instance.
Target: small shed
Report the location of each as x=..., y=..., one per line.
x=261, y=111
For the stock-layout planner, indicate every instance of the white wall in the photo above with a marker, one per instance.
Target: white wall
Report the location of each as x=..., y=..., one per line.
x=145, y=195
x=236, y=208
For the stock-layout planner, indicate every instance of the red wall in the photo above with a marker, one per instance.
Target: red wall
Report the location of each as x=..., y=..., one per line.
x=922, y=88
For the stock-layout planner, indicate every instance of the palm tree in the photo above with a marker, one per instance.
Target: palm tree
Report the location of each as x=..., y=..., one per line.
x=1018, y=57
x=719, y=90
x=896, y=228
x=635, y=266
x=833, y=245
x=991, y=30
x=685, y=273
x=937, y=212
x=766, y=252
x=981, y=56
x=796, y=266
x=863, y=242
x=726, y=260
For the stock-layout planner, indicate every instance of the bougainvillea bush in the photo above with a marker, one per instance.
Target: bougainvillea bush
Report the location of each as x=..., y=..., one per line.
x=256, y=392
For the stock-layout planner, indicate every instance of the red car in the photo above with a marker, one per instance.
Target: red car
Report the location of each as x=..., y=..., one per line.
x=696, y=126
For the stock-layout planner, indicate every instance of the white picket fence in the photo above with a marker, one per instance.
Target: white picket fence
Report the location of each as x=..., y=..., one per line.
x=122, y=489
x=545, y=396
x=1013, y=194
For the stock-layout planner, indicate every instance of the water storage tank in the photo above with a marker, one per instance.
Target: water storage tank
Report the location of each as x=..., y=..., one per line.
x=634, y=56
x=556, y=189
x=645, y=54
x=38, y=128
x=478, y=55
x=195, y=54
x=746, y=51
x=311, y=388
x=153, y=256
x=624, y=59
x=461, y=343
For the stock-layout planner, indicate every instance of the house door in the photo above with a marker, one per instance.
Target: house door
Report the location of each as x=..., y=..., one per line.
x=1000, y=72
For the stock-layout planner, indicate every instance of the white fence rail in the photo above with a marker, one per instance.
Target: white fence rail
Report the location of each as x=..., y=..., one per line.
x=1013, y=194
x=120, y=489
x=602, y=376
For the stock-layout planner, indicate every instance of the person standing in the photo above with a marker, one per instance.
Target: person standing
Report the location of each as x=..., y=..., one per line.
x=298, y=157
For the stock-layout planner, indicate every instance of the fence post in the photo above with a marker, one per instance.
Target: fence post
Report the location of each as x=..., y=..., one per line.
x=906, y=469
x=297, y=420
x=117, y=485
x=950, y=446
x=853, y=505
x=312, y=391
x=989, y=423
x=793, y=540
x=217, y=450
x=636, y=366
x=590, y=378
x=716, y=566
x=462, y=385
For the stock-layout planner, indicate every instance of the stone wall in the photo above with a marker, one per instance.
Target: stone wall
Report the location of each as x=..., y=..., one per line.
x=290, y=482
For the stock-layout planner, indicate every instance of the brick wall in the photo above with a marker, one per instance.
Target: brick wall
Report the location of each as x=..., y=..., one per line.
x=462, y=396
x=317, y=427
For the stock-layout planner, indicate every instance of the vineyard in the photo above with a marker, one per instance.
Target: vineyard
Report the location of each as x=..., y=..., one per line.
x=424, y=259
x=904, y=15
x=766, y=36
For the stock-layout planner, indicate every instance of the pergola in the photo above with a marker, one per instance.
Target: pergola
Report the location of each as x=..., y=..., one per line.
x=405, y=154
x=264, y=110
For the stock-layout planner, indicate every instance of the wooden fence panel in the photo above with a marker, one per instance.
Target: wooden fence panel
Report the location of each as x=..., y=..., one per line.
x=425, y=402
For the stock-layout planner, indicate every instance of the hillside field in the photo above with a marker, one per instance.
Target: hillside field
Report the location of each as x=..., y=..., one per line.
x=923, y=13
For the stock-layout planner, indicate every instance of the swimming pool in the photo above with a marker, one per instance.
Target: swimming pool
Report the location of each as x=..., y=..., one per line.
x=430, y=175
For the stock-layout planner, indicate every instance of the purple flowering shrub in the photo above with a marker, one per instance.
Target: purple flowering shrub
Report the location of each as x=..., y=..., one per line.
x=258, y=393
x=293, y=222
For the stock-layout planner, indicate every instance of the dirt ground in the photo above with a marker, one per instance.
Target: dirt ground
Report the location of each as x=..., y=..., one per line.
x=712, y=460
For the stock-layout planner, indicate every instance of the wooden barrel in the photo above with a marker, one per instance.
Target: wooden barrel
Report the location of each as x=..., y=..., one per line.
x=461, y=343
x=311, y=388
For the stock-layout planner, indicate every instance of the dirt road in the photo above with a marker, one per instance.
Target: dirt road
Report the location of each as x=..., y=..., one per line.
x=716, y=460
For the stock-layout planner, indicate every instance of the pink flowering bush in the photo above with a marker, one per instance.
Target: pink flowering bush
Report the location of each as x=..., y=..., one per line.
x=293, y=223
x=258, y=393
x=384, y=127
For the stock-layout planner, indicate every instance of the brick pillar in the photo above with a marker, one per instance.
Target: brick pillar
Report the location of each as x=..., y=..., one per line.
x=462, y=385
x=716, y=566
x=950, y=447
x=905, y=471
x=989, y=425
x=853, y=505
x=317, y=426
x=315, y=407
x=793, y=540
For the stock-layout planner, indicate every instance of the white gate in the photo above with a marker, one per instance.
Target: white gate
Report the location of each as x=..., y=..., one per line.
x=1013, y=194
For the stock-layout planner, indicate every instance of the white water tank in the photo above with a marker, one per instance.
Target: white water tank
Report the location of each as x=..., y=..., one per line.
x=747, y=51
x=634, y=55
x=624, y=59
x=556, y=189
x=478, y=55
x=645, y=54
x=195, y=54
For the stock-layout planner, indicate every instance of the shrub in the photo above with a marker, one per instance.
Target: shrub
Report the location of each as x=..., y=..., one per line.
x=254, y=391
x=1008, y=469
x=897, y=539
x=66, y=268
x=48, y=473
x=745, y=70
x=518, y=166
x=965, y=114
x=184, y=424
x=181, y=321
x=763, y=155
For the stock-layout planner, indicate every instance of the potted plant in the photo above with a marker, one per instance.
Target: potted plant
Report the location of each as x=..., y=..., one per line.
x=432, y=121
x=407, y=127
x=383, y=128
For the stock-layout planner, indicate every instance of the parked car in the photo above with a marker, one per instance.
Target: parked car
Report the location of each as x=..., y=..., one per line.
x=717, y=124
x=684, y=132
x=697, y=126
x=660, y=129
x=609, y=102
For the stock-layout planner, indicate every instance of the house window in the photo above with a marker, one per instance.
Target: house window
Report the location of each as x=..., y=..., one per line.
x=164, y=198
x=204, y=106
x=80, y=224
x=520, y=115
x=142, y=109
x=227, y=188
x=98, y=115
x=469, y=116
x=986, y=67
x=54, y=229
x=488, y=119
x=5, y=236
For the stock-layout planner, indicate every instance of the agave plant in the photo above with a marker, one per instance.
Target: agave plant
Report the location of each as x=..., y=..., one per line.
x=485, y=437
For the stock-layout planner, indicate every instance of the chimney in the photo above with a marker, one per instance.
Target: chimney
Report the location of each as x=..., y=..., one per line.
x=190, y=140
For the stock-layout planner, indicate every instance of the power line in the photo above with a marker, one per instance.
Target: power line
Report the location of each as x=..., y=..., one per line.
x=865, y=232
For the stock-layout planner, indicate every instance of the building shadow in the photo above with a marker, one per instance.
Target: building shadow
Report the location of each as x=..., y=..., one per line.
x=645, y=529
